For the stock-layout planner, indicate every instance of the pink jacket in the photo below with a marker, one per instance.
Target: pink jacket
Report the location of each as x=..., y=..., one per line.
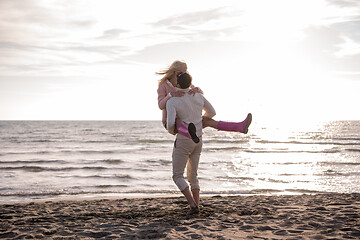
x=163, y=96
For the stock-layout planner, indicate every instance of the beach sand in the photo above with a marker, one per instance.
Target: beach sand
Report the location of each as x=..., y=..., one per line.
x=322, y=216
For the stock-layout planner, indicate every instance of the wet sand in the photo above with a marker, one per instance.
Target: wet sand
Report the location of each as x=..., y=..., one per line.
x=323, y=216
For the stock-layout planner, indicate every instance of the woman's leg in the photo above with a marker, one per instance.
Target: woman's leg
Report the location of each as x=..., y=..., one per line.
x=242, y=127
x=189, y=131
x=209, y=122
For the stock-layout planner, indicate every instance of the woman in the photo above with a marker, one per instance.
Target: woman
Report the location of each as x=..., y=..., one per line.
x=167, y=90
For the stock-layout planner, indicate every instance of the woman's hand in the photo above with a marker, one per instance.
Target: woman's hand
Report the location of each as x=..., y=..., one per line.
x=177, y=94
x=195, y=90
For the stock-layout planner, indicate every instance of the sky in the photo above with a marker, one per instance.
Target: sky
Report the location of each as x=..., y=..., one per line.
x=292, y=60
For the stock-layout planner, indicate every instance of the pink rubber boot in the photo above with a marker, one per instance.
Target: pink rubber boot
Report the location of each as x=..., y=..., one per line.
x=236, y=126
x=189, y=132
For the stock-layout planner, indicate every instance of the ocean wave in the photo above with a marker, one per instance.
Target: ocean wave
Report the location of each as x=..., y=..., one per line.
x=34, y=162
x=339, y=143
x=273, y=180
x=331, y=172
x=290, y=163
x=33, y=140
x=340, y=163
x=225, y=141
x=99, y=176
x=264, y=191
x=98, y=141
x=282, y=191
x=292, y=151
x=88, y=130
x=241, y=192
x=123, y=176
x=312, y=143
x=162, y=162
x=49, y=169
x=43, y=140
x=347, y=138
x=291, y=174
x=29, y=152
x=96, y=151
x=68, y=151
x=110, y=186
x=113, y=161
x=154, y=141
x=235, y=178
x=60, y=192
x=304, y=191
x=213, y=149
x=352, y=150
x=121, y=191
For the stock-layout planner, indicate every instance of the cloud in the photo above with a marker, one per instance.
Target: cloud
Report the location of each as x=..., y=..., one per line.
x=201, y=51
x=350, y=64
x=178, y=33
x=113, y=33
x=321, y=45
x=52, y=59
x=215, y=24
x=33, y=20
x=322, y=40
x=37, y=12
x=13, y=45
x=345, y=3
x=350, y=29
x=110, y=51
x=39, y=37
x=196, y=18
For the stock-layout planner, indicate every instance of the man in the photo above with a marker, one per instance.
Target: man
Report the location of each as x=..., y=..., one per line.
x=188, y=109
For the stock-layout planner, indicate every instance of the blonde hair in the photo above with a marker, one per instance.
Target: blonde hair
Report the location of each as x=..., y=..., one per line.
x=168, y=73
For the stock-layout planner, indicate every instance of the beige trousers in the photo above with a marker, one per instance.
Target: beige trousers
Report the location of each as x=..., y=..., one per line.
x=186, y=152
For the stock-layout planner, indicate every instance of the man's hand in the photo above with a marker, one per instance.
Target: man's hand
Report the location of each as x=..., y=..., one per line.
x=195, y=90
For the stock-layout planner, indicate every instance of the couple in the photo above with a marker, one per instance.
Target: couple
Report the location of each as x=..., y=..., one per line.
x=182, y=106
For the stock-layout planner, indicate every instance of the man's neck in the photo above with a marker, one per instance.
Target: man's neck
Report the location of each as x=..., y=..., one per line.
x=182, y=90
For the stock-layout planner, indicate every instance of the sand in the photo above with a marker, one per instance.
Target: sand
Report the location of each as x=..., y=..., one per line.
x=324, y=216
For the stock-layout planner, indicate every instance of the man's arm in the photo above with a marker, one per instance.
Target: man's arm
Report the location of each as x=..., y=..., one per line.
x=171, y=116
x=209, y=109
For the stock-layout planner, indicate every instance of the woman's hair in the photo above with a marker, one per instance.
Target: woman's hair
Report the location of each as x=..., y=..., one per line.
x=184, y=80
x=168, y=73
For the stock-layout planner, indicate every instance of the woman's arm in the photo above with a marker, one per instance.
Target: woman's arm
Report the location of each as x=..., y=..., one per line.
x=194, y=90
x=162, y=97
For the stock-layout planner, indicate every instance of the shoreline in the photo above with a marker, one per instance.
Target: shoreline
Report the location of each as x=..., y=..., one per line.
x=315, y=216
x=176, y=193
x=144, y=195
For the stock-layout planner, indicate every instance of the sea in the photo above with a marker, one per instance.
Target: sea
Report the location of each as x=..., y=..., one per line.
x=57, y=160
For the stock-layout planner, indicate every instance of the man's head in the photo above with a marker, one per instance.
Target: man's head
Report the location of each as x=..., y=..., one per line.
x=184, y=80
